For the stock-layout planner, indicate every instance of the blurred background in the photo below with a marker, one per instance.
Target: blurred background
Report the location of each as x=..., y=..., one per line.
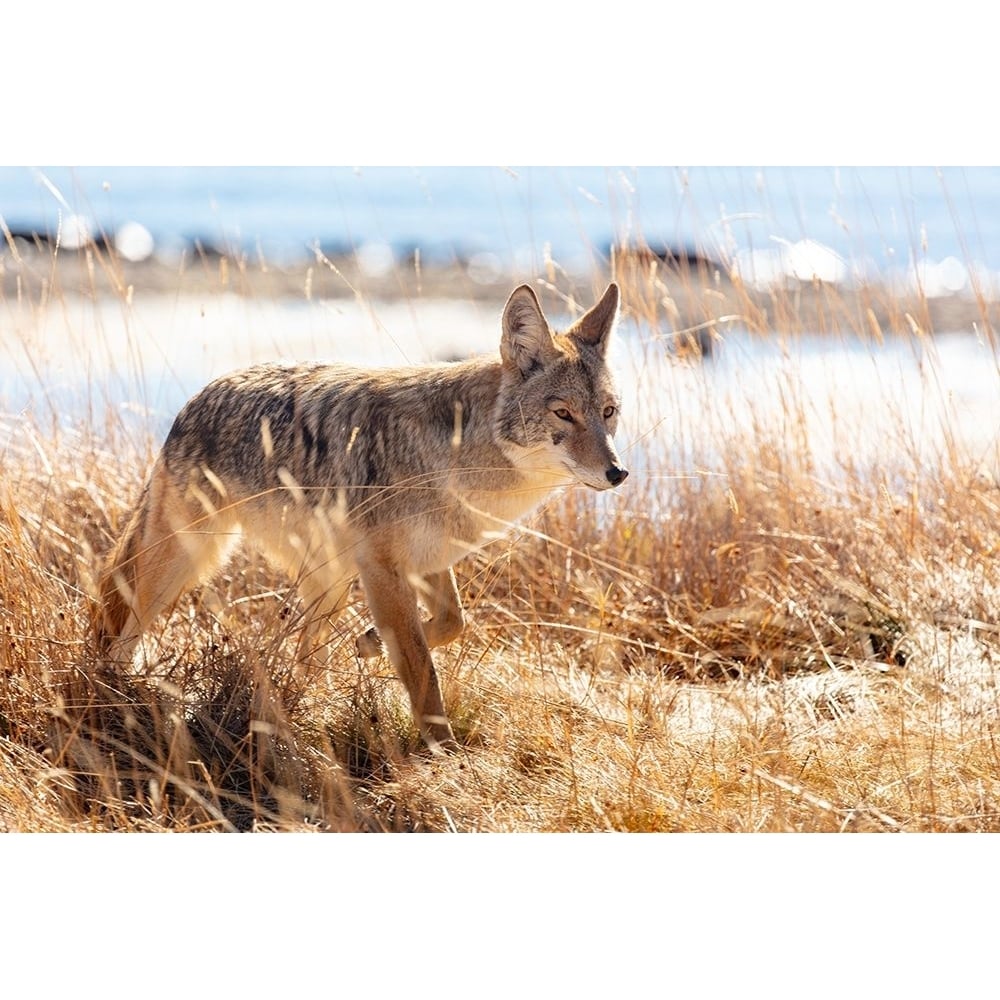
x=866, y=294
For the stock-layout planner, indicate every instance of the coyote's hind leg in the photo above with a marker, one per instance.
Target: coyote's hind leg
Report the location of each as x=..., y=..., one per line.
x=168, y=547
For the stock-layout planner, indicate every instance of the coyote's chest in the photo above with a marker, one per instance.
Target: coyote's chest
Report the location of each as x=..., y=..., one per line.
x=470, y=518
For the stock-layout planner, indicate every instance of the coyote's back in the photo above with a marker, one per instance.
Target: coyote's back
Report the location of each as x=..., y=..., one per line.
x=391, y=475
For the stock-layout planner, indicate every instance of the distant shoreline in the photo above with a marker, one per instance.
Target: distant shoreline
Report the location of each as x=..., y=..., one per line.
x=689, y=296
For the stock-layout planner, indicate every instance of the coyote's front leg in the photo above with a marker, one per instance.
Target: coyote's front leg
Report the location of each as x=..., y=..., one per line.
x=440, y=592
x=393, y=604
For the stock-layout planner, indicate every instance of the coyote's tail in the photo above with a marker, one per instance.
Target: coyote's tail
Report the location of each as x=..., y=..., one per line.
x=116, y=585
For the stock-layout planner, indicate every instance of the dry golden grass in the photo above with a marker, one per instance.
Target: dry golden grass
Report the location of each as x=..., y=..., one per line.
x=758, y=647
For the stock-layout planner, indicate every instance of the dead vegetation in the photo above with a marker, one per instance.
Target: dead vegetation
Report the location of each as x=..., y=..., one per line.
x=742, y=644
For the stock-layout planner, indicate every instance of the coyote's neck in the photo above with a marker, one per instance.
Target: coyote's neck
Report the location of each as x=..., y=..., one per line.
x=499, y=479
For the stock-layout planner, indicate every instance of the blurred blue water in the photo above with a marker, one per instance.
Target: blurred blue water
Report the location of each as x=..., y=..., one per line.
x=881, y=218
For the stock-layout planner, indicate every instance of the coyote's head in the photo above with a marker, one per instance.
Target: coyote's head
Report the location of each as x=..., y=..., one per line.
x=558, y=405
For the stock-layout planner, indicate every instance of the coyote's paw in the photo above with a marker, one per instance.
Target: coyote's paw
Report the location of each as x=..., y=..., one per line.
x=370, y=644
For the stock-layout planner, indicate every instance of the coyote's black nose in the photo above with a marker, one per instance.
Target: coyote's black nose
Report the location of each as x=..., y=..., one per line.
x=616, y=475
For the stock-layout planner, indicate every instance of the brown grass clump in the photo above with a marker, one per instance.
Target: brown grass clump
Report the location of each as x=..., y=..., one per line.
x=739, y=640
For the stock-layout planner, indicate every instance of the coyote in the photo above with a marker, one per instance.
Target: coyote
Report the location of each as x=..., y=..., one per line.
x=388, y=475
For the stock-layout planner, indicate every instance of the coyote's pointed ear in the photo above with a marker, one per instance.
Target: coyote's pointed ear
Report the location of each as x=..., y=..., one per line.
x=594, y=327
x=527, y=341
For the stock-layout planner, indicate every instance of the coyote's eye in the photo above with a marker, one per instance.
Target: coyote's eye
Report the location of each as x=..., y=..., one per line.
x=563, y=414
x=609, y=412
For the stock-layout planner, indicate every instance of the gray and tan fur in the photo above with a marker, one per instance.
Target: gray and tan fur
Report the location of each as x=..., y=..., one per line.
x=391, y=475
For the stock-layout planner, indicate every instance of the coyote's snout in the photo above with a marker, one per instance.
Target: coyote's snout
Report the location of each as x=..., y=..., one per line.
x=387, y=475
